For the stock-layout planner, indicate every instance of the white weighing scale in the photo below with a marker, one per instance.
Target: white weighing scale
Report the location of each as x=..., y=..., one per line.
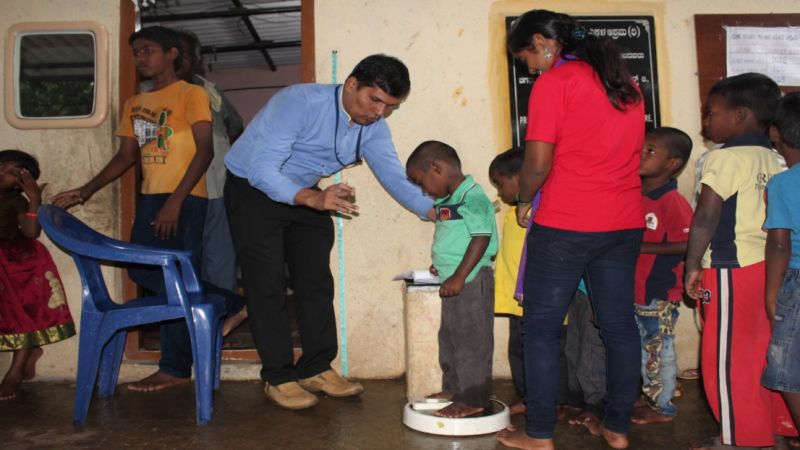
x=419, y=415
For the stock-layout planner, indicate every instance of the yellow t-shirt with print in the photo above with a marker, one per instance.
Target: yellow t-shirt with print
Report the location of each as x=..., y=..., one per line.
x=161, y=122
x=507, y=265
x=739, y=175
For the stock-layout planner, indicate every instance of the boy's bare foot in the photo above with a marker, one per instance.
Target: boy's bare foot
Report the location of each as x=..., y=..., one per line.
x=644, y=415
x=442, y=395
x=511, y=437
x=517, y=408
x=157, y=382
x=29, y=372
x=230, y=323
x=9, y=387
x=458, y=410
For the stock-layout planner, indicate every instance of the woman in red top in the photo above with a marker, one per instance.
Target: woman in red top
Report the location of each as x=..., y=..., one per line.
x=584, y=139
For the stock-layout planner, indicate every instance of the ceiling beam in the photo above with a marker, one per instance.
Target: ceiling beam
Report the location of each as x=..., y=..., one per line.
x=233, y=12
x=256, y=38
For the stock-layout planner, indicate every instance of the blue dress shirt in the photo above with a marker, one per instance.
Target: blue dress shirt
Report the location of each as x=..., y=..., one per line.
x=289, y=145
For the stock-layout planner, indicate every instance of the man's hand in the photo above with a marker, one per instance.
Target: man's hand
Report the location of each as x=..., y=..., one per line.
x=336, y=197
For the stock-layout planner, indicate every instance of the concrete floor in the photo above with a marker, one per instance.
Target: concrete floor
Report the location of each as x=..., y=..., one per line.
x=41, y=417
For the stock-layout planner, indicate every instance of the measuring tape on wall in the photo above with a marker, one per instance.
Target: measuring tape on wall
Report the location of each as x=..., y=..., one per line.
x=340, y=253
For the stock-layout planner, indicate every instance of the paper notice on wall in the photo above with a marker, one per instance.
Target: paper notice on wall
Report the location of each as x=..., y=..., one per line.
x=775, y=52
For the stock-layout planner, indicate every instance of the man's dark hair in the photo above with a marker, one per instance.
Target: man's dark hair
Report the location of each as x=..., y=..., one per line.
x=385, y=72
x=22, y=159
x=429, y=151
x=787, y=119
x=508, y=163
x=754, y=91
x=678, y=144
x=165, y=37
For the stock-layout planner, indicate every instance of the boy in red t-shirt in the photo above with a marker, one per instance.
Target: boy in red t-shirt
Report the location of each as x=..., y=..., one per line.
x=658, y=285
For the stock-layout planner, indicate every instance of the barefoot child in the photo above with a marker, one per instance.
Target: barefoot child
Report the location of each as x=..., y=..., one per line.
x=33, y=308
x=464, y=243
x=725, y=262
x=783, y=259
x=658, y=283
x=168, y=131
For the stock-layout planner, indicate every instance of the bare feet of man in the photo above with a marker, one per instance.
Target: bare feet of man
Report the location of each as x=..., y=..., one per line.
x=511, y=437
x=517, y=408
x=230, y=323
x=157, y=382
x=457, y=410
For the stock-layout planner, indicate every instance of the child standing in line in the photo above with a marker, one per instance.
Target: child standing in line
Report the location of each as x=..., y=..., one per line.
x=33, y=307
x=783, y=259
x=167, y=129
x=658, y=285
x=464, y=243
x=726, y=235
x=504, y=175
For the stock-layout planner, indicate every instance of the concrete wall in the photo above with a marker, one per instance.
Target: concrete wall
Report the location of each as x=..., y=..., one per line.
x=68, y=157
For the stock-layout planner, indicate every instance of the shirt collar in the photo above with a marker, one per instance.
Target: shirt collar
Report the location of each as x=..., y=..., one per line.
x=341, y=104
x=749, y=139
x=656, y=193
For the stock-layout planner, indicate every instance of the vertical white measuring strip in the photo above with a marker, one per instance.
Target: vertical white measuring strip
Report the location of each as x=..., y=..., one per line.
x=340, y=253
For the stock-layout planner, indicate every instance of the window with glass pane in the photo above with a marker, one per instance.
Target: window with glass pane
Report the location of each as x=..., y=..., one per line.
x=56, y=75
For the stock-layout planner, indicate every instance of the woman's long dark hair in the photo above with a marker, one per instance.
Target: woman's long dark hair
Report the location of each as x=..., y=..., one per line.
x=600, y=53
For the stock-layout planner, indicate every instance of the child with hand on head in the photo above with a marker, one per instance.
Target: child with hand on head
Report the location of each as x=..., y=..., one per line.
x=725, y=262
x=464, y=243
x=783, y=259
x=33, y=307
x=658, y=287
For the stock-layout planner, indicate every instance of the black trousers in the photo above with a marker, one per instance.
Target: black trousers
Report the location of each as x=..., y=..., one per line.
x=269, y=235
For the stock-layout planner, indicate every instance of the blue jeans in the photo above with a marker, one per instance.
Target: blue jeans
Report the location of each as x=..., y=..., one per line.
x=556, y=260
x=783, y=359
x=659, y=361
x=176, y=347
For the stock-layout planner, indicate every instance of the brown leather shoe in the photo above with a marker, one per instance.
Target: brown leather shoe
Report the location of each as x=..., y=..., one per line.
x=290, y=395
x=332, y=384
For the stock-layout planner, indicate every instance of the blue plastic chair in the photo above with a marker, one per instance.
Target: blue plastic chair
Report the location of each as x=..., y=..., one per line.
x=104, y=323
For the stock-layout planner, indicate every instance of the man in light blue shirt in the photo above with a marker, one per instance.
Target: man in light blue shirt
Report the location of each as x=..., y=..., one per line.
x=279, y=216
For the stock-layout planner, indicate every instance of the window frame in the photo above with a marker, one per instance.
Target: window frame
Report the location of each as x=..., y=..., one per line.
x=101, y=72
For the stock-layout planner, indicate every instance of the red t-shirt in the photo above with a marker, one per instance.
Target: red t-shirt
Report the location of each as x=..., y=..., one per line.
x=668, y=218
x=593, y=185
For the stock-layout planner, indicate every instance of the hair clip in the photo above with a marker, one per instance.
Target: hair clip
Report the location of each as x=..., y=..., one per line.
x=579, y=33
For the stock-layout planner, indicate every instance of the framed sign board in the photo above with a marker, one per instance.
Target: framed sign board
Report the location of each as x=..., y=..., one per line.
x=712, y=48
x=635, y=38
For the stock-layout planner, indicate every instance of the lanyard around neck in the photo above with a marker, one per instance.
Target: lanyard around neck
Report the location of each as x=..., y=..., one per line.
x=336, y=134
